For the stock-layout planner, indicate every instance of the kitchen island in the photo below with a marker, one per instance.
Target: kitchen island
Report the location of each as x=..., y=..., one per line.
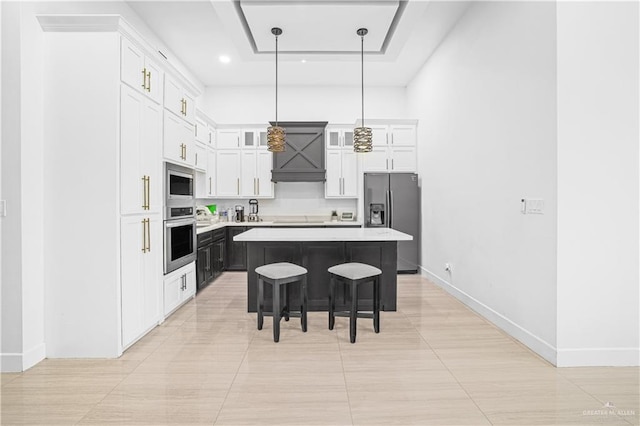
x=317, y=249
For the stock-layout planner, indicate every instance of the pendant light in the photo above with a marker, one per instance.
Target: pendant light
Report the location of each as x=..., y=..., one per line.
x=275, y=134
x=362, y=136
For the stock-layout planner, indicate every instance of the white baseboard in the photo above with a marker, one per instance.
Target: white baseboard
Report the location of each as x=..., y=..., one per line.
x=10, y=363
x=19, y=362
x=599, y=357
x=533, y=342
x=33, y=356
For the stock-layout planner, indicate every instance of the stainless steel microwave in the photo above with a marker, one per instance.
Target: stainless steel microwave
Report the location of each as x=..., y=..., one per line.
x=179, y=186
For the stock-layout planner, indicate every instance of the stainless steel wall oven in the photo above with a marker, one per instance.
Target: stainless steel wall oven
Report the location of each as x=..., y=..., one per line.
x=180, y=241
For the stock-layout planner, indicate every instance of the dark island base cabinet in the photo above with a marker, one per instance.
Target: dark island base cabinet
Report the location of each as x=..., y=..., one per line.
x=236, y=259
x=317, y=257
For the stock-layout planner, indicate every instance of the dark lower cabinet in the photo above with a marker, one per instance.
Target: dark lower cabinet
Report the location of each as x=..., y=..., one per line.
x=210, y=260
x=236, y=255
x=218, y=251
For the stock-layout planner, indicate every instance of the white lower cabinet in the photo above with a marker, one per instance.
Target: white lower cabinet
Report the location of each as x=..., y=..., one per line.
x=140, y=275
x=179, y=286
x=342, y=174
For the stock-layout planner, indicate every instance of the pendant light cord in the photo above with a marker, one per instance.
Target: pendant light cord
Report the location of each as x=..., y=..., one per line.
x=362, y=75
x=276, y=81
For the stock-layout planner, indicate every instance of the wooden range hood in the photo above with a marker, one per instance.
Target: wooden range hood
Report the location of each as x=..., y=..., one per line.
x=304, y=158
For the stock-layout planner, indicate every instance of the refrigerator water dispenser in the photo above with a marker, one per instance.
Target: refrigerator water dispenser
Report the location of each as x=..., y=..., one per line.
x=376, y=214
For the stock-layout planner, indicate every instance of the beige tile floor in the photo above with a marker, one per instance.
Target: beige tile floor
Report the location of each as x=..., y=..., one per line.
x=434, y=362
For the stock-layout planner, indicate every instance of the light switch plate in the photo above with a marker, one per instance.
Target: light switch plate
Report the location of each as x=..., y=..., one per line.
x=532, y=206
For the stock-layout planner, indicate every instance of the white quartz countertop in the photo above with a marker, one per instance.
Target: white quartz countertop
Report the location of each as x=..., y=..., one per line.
x=322, y=234
x=279, y=224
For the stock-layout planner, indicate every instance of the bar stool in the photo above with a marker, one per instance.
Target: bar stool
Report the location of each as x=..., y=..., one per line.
x=278, y=274
x=354, y=274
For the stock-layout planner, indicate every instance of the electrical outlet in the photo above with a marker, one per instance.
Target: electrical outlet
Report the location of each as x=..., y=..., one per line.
x=447, y=267
x=532, y=206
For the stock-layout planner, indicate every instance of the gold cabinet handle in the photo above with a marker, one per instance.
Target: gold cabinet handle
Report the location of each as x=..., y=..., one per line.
x=238, y=186
x=149, y=81
x=146, y=197
x=254, y=186
x=144, y=235
x=392, y=168
x=185, y=152
x=144, y=78
x=185, y=113
x=210, y=191
x=387, y=166
x=144, y=192
x=196, y=158
x=258, y=186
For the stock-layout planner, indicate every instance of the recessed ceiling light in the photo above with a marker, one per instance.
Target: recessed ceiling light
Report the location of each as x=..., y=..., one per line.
x=304, y=61
x=224, y=59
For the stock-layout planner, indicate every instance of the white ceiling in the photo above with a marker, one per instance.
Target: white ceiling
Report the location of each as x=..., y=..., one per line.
x=319, y=44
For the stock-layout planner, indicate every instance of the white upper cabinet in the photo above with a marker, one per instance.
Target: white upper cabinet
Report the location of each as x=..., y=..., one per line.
x=211, y=174
x=178, y=100
x=140, y=153
x=403, y=159
x=339, y=137
x=228, y=165
x=139, y=71
x=402, y=135
x=254, y=138
x=202, y=132
x=379, y=135
x=342, y=164
x=200, y=160
x=228, y=138
x=179, y=140
x=256, y=174
x=394, y=149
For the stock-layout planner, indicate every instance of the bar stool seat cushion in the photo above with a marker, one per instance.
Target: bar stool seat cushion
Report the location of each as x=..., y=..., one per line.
x=277, y=271
x=355, y=271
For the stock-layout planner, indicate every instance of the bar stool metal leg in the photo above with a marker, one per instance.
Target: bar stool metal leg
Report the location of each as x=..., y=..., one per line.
x=303, y=308
x=260, y=302
x=332, y=302
x=353, y=315
x=276, y=312
x=287, y=307
x=376, y=304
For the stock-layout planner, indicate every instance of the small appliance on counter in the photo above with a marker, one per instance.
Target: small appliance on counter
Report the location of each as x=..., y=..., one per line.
x=253, y=211
x=347, y=216
x=239, y=213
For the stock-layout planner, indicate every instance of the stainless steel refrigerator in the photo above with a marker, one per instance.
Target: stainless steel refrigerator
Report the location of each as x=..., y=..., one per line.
x=392, y=200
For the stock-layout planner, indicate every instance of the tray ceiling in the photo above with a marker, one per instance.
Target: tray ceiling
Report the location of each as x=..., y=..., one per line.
x=319, y=27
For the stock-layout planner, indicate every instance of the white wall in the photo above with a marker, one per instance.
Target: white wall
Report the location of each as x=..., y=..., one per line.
x=598, y=134
x=340, y=105
x=486, y=101
x=337, y=105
